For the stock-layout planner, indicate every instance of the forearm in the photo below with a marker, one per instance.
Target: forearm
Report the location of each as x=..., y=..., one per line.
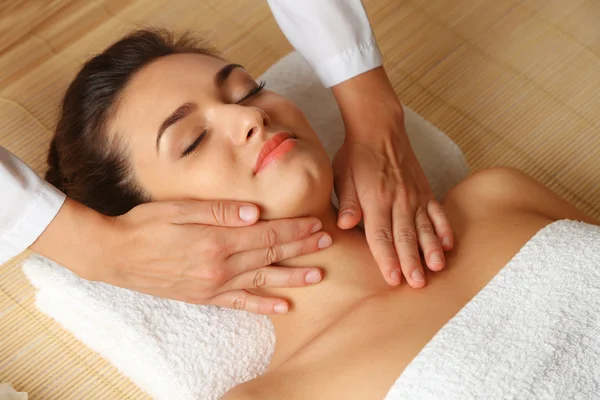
x=368, y=104
x=74, y=238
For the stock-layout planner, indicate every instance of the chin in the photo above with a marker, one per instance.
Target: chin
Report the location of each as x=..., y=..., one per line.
x=306, y=193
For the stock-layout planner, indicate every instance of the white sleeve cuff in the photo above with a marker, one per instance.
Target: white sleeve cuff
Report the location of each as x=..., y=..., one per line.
x=42, y=209
x=348, y=64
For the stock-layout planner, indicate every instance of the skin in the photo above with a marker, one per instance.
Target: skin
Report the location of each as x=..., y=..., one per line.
x=352, y=335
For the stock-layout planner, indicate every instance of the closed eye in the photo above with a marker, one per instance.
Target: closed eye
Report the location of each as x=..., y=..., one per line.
x=194, y=144
x=190, y=149
x=253, y=92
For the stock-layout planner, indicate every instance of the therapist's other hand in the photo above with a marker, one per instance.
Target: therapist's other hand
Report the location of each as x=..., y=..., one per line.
x=378, y=178
x=202, y=252
x=209, y=252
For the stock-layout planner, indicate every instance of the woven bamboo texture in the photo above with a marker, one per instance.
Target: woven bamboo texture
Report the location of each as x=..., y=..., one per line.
x=512, y=82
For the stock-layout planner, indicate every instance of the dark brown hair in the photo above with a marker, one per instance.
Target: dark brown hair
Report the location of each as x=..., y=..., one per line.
x=83, y=164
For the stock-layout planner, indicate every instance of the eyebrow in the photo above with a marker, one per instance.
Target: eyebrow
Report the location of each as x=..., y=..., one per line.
x=224, y=73
x=181, y=112
x=187, y=108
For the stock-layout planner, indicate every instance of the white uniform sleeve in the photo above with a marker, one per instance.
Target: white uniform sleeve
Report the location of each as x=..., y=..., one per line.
x=27, y=205
x=333, y=35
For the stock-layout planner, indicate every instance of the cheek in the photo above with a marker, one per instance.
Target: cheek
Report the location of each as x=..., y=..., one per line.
x=285, y=114
x=215, y=176
x=210, y=175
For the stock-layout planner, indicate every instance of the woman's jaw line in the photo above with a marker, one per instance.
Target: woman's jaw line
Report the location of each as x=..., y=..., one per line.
x=328, y=218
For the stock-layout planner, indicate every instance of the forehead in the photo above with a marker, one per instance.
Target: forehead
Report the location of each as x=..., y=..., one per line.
x=162, y=86
x=173, y=71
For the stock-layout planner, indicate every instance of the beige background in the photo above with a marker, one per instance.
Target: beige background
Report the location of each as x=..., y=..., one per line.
x=512, y=82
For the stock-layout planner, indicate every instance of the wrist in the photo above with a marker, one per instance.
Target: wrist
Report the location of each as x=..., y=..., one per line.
x=76, y=239
x=368, y=104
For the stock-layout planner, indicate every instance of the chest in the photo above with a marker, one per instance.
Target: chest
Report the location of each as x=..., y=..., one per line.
x=362, y=355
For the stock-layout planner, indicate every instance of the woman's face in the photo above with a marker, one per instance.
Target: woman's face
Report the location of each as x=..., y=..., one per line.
x=197, y=127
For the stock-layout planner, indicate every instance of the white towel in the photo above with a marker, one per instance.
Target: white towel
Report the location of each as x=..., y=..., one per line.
x=180, y=351
x=532, y=333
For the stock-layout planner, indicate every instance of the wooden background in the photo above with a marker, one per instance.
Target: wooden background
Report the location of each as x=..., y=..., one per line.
x=513, y=82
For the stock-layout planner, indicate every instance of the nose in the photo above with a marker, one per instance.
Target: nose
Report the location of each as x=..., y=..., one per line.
x=246, y=123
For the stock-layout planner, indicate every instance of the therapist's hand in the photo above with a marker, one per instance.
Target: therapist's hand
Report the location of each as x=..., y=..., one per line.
x=203, y=252
x=378, y=178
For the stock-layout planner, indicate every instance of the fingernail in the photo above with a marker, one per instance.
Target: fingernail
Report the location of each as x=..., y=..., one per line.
x=280, y=308
x=313, y=277
x=317, y=227
x=436, y=258
x=417, y=275
x=395, y=276
x=346, y=213
x=324, y=242
x=446, y=242
x=248, y=213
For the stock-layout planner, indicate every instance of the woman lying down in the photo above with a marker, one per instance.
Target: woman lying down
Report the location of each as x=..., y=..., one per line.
x=157, y=118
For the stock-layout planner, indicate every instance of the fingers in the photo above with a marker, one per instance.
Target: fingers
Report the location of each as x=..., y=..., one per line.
x=428, y=241
x=243, y=300
x=441, y=224
x=213, y=212
x=274, y=277
x=378, y=227
x=350, y=212
x=405, y=242
x=251, y=259
x=268, y=234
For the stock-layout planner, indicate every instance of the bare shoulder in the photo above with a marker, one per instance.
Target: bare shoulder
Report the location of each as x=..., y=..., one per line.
x=494, y=213
x=502, y=190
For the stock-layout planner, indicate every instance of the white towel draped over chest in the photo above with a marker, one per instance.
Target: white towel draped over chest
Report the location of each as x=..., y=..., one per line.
x=532, y=333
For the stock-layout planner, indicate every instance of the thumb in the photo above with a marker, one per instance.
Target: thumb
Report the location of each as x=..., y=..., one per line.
x=350, y=213
x=215, y=212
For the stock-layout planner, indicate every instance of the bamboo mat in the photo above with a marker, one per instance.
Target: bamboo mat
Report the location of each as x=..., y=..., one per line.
x=512, y=82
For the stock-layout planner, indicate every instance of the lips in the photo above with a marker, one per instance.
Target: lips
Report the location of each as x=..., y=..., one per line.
x=273, y=148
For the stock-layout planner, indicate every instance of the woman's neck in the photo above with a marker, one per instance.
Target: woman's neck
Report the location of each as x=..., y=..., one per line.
x=349, y=275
